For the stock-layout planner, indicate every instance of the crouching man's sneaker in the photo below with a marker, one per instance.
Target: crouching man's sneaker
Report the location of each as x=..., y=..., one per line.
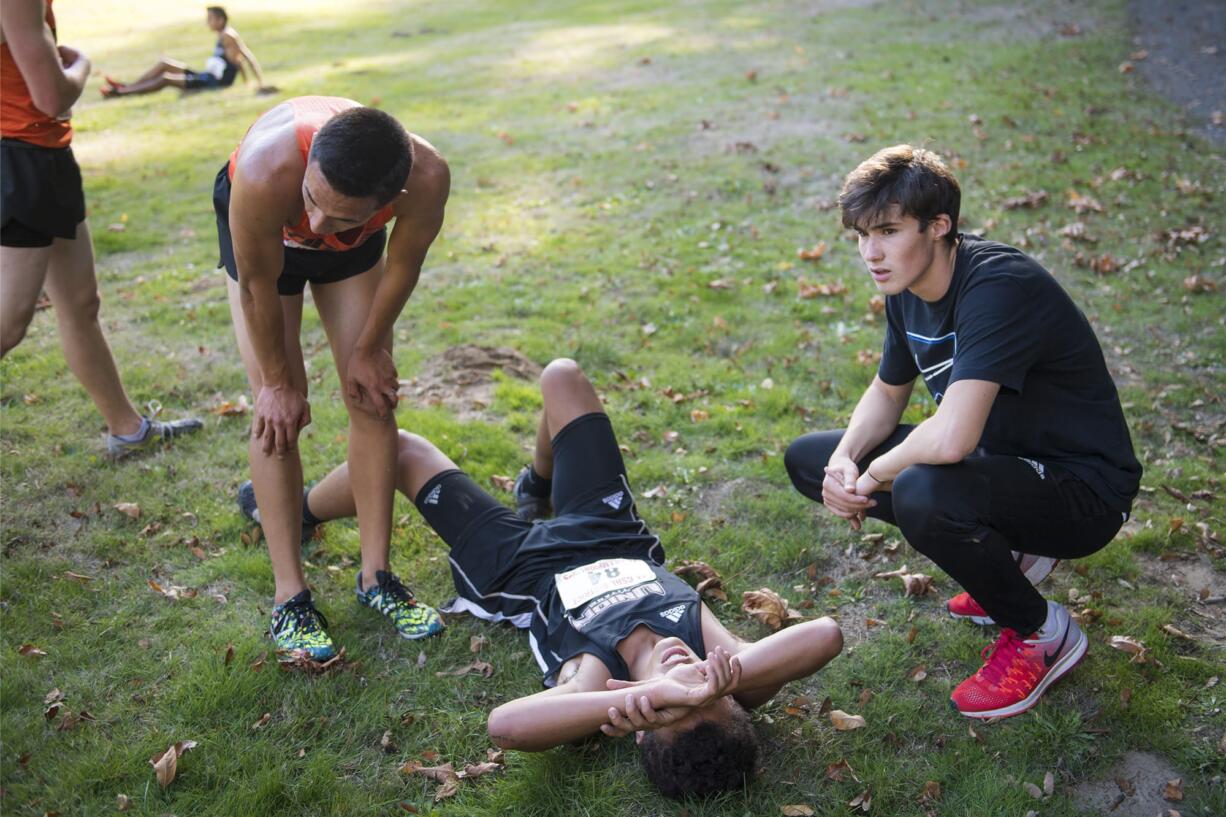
x=150, y=434
x=531, y=496
x=248, y=507
x=1019, y=670
x=390, y=597
x=1034, y=568
x=297, y=627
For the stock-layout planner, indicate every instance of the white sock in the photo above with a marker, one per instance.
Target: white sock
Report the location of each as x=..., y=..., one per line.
x=1051, y=627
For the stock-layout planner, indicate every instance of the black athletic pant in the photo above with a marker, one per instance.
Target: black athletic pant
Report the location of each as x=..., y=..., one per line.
x=967, y=516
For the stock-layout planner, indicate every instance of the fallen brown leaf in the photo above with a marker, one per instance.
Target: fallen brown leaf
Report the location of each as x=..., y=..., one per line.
x=796, y=811
x=229, y=409
x=122, y=802
x=474, y=770
x=502, y=483
x=844, y=722
x=31, y=651
x=814, y=253
x=300, y=661
x=165, y=764
x=930, y=792
x=476, y=642
x=862, y=801
x=1130, y=645
x=768, y=607
x=128, y=509
x=709, y=583
x=1173, y=790
x=386, y=743
x=1030, y=200
x=839, y=772
x=482, y=668
x=918, y=674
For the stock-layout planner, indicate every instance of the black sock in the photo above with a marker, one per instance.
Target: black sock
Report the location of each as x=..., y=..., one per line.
x=537, y=485
x=307, y=516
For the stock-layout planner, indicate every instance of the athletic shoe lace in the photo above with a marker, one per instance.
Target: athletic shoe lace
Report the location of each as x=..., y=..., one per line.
x=304, y=615
x=393, y=587
x=1003, y=653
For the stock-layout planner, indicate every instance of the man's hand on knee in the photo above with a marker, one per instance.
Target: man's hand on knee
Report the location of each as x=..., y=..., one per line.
x=372, y=382
x=280, y=413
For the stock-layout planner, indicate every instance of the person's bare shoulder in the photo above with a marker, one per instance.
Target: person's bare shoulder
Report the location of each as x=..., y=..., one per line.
x=429, y=181
x=270, y=168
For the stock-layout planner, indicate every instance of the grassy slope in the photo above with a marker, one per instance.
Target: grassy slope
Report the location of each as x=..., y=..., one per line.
x=613, y=207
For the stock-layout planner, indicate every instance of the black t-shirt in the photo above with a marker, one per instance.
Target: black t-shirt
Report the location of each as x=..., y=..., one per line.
x=1006, y=320
x=615, y=568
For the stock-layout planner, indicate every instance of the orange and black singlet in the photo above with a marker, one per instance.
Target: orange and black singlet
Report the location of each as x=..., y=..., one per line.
x=19, y=118
x=310, y=114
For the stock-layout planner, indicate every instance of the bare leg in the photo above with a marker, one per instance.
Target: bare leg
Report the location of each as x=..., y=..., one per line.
x=417, y=462
x=344, y=307
x=73, y=288
x=568, y=394
x=22, y=273
x=277, y=480
x=149, y=86
x=163, y=66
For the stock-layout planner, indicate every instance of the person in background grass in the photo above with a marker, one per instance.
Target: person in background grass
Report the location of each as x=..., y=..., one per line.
x=220, y=69
x=624, y=644
x=44, y=237
x=305, y=199
x=1027, y=459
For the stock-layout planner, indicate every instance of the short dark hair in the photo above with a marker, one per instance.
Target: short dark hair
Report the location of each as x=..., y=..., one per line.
x=711, y=757
x=364, y=153
x=913, y=178
x=218, y=11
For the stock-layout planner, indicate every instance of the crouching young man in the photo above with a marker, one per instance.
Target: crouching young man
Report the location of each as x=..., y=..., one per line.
x=1027, y=459
x=624, y=644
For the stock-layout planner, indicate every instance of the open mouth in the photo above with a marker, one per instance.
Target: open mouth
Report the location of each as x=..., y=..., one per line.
x=674, y=655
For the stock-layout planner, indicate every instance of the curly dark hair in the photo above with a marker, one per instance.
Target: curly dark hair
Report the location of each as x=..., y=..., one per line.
x=713, y=756
x=364, y=152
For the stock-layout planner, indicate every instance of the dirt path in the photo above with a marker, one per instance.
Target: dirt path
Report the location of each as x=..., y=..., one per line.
x=1186, y=41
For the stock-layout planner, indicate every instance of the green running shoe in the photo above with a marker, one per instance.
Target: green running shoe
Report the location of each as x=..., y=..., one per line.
x=152, y=433
x=391, y=598
x=297, y=627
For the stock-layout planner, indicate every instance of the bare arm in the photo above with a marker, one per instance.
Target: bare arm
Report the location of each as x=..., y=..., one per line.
x=766, y=665
x=568, y=712
x=372, y=379
x=946, y=437
x=281, y=411
x=874, y=418
x=55, y=76
x=236, y=48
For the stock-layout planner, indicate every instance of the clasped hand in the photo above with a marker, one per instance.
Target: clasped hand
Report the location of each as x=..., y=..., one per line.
x=847, y=492
x=658, y=702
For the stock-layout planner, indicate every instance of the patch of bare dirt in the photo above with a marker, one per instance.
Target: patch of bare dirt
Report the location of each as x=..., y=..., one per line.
x=462, y=378
x=1133, y=788
x=1184, y=46
x=1197, y=583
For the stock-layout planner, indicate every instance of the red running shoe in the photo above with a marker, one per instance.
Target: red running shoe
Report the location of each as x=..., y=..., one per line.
x=1034, y=568
x=1019, y=670
x=963, y=606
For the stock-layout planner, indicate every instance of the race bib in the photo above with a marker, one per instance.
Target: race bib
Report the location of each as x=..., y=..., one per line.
x=582, y=584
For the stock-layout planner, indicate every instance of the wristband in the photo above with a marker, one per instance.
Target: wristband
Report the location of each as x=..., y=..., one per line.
x=873, y=478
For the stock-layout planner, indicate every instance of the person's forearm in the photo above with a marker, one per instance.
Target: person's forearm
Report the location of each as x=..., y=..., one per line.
x=255, y=66
x=261, y=306
x=874, y=418
x=75, y=77
x=795, y=652
x=542, y=721
x=930, y=444
x=390, y=297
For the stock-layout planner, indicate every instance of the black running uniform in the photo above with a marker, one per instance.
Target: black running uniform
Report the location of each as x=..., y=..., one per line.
x=218, y=71
x=580, y=582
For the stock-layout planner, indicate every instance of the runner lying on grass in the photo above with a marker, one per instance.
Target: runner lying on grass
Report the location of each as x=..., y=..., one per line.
x=624, y=644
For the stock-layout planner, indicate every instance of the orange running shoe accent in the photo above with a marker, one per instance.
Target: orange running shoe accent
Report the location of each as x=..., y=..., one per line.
x=19, y=118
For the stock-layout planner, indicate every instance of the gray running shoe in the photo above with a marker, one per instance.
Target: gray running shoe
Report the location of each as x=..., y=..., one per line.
x=246, y=504
x=155, y=432
x=529, y=507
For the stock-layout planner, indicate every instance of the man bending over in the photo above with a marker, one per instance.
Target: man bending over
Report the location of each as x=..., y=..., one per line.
x=1027, y=459
x=305, y=199
x=624, y=644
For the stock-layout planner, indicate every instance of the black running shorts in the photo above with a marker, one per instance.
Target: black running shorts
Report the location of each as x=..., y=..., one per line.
x=42, y=194
x=504, y=567
x=301, y=266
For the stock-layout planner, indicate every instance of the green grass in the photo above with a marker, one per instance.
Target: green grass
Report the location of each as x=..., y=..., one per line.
x=621, y=196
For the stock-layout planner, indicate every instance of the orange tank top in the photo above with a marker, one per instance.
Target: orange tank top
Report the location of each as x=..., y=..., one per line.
x=19, y=118
x=310, y=114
